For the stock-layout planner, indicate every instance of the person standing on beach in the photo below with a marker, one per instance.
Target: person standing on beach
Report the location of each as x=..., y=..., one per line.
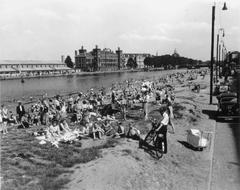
x=4, y=113
x=170, y=105
x=20, y=111
x=124, y=107
x=147, y=106
x=162, y=129
x=113, y=97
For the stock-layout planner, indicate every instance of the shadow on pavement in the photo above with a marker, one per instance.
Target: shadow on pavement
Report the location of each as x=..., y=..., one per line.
x=234, y=163
x=236, y=133
x=187, y=145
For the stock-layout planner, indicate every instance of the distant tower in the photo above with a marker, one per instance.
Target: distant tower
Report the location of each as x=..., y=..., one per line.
x=96, y=59
x=119, y=55
x=175, y=53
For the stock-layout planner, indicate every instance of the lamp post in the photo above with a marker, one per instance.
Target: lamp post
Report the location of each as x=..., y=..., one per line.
x=212, y=59
x=218, y=52
x=219, y=56
x=212, y=49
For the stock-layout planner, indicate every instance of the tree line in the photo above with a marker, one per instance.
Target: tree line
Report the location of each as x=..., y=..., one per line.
x=169, y=62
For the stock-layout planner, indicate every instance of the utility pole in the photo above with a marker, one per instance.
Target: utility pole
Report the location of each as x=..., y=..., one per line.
x=212, y=59
x=217, y=58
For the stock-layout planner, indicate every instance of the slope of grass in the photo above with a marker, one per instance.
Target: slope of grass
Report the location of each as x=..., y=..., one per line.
x=25, y=164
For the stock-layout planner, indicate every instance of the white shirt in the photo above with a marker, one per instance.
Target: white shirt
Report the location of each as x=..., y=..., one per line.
x=165, y=120
x=57, y=103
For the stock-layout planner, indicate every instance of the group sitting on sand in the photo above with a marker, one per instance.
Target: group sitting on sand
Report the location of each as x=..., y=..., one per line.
x=95, y=113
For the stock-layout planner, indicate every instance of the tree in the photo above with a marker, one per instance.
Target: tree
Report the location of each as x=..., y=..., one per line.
x=147, y=61
x=69, y=62
x=131, y=63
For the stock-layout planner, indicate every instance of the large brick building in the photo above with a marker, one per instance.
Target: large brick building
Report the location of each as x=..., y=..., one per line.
x=98, y=60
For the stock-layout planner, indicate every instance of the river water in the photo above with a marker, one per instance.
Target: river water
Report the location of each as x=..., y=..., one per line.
x=14, y=89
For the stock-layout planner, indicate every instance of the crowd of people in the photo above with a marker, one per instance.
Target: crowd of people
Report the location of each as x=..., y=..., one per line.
x=96, y=113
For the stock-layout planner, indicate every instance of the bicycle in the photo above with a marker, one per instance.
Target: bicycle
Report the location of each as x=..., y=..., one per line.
x=154, y=141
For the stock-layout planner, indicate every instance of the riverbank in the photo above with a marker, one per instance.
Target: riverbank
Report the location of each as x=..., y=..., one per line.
x=118, y=164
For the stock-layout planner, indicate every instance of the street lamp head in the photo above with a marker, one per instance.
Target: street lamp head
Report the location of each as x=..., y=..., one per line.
x=224, y=7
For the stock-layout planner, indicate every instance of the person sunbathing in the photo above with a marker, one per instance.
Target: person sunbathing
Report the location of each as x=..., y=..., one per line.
x=85, y=130
x=12, y=120
x=64, y=128
x=120, y=131
x=97, y=131
x=24, y=122
x=133, y=133
x=53, y=131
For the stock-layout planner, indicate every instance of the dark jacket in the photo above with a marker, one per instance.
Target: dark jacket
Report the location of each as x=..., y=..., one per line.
x=19, y=111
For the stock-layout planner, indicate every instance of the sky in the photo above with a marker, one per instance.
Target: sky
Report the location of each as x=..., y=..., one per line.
x=47, y=29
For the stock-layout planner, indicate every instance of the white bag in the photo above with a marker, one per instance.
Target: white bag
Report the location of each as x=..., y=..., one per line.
x=196, y=139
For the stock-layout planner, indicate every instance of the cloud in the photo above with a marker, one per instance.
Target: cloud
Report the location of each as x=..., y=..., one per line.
x=167, y=27
x=29, y=27
x=134, y=36
x=46, y=13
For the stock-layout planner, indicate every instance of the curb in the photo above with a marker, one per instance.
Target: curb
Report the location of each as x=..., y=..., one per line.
x=211, y=153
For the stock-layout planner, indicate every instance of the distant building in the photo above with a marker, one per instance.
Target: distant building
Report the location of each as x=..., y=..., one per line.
x=31, y=67
x=138, y=57
x=98, y=60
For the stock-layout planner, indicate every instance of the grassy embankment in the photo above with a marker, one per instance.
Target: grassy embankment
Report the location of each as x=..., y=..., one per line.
x=25, y=164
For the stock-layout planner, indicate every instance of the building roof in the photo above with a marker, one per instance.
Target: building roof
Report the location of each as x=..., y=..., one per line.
x=4, y=70
x=37, y=69
x=30, y=62
x=62, y=68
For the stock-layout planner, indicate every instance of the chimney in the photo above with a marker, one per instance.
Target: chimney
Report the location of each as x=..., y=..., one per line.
x=119, y=55
x=62, y=59
x=75, y=52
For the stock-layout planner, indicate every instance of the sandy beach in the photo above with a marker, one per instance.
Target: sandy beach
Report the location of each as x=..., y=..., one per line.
x=118, y=164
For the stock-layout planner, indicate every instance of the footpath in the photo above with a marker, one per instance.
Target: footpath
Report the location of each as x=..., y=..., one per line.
x=226, y=157
x=226, y=166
